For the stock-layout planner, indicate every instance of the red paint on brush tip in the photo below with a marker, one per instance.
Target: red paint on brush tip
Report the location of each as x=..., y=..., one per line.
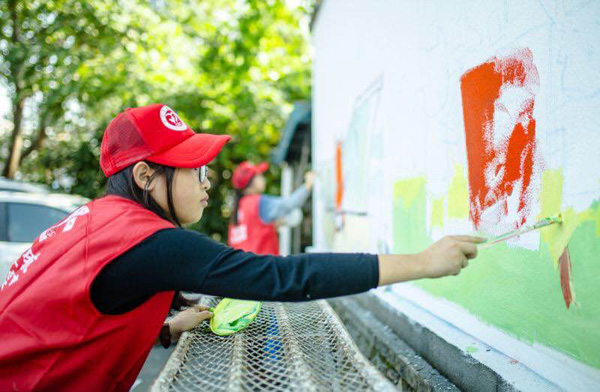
x=498, y=99
x=566, y=277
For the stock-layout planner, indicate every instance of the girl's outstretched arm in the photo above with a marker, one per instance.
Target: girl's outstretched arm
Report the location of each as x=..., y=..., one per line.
x=184, y=260
x=445, y=257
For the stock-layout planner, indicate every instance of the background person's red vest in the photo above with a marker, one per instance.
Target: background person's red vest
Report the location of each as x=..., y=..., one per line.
x=52, y=336
x=251, y=234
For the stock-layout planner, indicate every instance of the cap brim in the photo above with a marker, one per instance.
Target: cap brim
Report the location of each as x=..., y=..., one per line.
x=195, y=151
x=262, y=167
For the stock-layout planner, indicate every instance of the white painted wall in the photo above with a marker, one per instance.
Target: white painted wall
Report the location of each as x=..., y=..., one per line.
x=419, y=50
x=406, y=58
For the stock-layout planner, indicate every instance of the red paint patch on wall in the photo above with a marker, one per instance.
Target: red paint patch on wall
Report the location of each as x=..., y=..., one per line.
x=498, y=98
x=339, y=218
x=339, y=177
x=566, y=277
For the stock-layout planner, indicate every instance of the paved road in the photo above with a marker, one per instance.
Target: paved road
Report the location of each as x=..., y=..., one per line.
x=153, y=366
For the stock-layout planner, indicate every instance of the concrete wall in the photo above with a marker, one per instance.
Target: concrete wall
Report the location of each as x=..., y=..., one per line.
x=436, y=118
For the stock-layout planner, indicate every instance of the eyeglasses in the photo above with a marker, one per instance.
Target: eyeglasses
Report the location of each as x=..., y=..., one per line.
x=202, y=173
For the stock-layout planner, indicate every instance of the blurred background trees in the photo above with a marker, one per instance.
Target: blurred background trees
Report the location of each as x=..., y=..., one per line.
x=68, y=67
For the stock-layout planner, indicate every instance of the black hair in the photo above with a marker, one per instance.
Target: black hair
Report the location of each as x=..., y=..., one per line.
x=239, y=193
x=122, y=184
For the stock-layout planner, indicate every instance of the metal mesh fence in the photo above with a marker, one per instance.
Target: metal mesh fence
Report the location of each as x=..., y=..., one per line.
x=290, y=346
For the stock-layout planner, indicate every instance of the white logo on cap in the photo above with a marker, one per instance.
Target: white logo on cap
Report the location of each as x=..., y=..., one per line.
x=171, y=120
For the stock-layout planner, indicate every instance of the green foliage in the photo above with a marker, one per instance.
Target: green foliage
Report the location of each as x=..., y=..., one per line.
x=43, y=44
x=228, y=66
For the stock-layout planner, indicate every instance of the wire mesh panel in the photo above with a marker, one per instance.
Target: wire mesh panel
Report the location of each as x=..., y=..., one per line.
x=290, y=346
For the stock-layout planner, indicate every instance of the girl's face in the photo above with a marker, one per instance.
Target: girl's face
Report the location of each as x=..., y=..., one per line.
x=190, y=196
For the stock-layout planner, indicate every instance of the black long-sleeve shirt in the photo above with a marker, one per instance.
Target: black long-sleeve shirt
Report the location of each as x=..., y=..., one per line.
x=184, y=260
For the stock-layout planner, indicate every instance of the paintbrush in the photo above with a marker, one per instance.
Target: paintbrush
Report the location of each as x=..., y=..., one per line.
x=523, y=230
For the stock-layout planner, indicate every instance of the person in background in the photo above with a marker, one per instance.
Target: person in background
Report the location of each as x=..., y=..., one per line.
x=254, y=219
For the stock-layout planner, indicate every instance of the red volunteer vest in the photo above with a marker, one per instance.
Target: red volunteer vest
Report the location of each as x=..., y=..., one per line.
x=251, y=234
x=53, y=338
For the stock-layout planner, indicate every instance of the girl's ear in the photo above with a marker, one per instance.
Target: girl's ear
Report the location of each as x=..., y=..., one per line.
x=142, y=174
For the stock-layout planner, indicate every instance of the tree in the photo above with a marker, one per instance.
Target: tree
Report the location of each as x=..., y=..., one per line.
x=250, y=68
x=43, y=43
x=225, y=66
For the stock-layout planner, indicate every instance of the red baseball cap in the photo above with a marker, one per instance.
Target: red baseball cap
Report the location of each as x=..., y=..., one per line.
x=155, y=133
x=244, y=173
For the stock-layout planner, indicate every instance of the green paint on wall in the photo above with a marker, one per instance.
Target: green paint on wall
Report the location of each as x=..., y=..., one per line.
x=518, y=291
x=437, y=212
x=410, y=191
x=471, y=349
x=410, y=225
x=551, y=193
x=593, y=215
x=598, y=222
x=515, y=289
x=458, y=194
x=557, y=237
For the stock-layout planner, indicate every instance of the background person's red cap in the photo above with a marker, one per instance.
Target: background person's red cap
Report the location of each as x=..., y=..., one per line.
x=244, y=173
x=155, y=133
